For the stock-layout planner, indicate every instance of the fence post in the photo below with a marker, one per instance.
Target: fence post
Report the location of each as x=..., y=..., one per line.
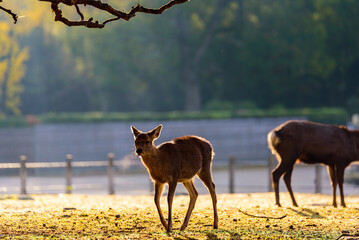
x=318, y=178
x=151, y=185
x=270, y=169
x=232, y=166
x=68, y=174
x=110, y=174
x=23, y=174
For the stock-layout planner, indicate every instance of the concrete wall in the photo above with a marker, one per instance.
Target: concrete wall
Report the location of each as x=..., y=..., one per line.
x=245, y=139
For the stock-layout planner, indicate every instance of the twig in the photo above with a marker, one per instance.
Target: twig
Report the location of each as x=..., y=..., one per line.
x=256, y=216
x=79, y=12
x=103, y=7
x=13, y=15
x=348, y=235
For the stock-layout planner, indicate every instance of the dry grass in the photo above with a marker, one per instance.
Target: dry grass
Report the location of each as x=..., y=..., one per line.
x=135, y=217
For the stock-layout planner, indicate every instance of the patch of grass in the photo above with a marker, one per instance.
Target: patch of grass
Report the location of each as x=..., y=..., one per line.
x=135, y=217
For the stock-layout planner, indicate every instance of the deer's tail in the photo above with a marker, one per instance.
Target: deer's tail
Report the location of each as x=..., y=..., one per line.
x=273, y=140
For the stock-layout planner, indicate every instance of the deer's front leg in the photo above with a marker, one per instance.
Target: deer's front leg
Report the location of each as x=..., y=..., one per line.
x=158, y=193
x=171, y=192
x=340, y=179
x=334, y=180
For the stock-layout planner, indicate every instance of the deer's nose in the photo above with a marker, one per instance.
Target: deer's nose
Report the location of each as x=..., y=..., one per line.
x=139, y=150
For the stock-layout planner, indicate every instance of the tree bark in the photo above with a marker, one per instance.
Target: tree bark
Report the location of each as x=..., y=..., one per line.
x=192, y=60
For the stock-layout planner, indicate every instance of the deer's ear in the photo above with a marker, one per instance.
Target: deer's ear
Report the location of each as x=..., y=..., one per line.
x=135, y=131
x=155, y=133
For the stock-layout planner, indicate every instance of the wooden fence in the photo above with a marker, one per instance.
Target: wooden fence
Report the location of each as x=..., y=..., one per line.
x=69, y=164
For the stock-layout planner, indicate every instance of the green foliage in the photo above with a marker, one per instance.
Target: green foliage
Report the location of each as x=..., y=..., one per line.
x=135, y=217
x=329, y=115
x=12, y=70
x=12, y=121
x=323, y=115
x=295, y=54
x=217, y=105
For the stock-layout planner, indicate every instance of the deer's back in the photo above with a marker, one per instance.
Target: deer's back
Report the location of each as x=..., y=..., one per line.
x=314, y=142
x=186, y=156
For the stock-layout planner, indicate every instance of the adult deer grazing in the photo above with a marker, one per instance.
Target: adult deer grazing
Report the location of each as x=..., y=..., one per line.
x=175, y=161
x=309, y=142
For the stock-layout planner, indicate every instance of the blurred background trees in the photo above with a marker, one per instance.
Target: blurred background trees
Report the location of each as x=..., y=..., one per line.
x=214, y=54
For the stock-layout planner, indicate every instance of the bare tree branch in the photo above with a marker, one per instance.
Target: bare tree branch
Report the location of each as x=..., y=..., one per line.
x=103, y=7
x=79, y=12
x=13, y=15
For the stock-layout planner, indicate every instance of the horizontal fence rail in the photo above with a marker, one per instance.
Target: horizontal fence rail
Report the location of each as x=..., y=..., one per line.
x=9, y=165
x=69, y=164
x=110, y=163
x=56, y=164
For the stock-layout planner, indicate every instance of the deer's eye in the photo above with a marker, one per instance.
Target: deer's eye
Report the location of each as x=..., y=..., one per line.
x=147, y=142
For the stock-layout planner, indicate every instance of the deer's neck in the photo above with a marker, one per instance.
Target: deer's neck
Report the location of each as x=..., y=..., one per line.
x=156, y=167
x=150, y=159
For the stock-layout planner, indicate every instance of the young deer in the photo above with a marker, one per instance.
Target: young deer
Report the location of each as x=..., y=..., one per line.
x=175, y=161
x=309, y=142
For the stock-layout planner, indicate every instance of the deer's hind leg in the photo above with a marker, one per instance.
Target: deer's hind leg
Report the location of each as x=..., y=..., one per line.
x=340, y=179
x=206, y=176
x=285, y=166
x=276, y=174
x=193, y=194
x=288, y=182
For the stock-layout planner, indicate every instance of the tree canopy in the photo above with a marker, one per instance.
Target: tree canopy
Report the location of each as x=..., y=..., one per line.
x=213, y=54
